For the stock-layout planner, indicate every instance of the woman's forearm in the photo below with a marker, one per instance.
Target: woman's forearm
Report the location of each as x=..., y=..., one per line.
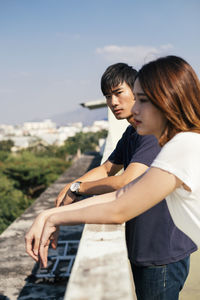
x=98, y=213
x=81, y=204
x=110, y=209
x=63, y=215
x=90, y=201
x=122, y=206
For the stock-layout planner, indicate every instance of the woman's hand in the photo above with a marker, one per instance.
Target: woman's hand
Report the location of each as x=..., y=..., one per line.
x=49, y=233
x=33, y=236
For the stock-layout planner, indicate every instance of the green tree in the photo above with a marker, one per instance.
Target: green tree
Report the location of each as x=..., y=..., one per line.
x=23, y=176
x=4, y=155
x=32, y=174
x=12, y=202
x=83, y=141
x=6, y=145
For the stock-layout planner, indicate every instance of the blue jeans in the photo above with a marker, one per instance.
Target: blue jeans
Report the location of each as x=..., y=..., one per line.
x=160, y=282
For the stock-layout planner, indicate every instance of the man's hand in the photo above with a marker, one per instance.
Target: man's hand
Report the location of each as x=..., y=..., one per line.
x=61, y=195
x=66, y=197
x=69, y=198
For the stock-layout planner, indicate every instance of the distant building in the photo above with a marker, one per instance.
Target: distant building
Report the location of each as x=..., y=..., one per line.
x=44, y=125
x=6, y=129
x=45, y=132
x=22, y=142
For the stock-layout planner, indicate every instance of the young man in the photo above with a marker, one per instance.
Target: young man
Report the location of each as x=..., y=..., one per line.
x=158, y=251
x=120, y=100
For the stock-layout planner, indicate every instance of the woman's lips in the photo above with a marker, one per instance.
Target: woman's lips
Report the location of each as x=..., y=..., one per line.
x=137, y=122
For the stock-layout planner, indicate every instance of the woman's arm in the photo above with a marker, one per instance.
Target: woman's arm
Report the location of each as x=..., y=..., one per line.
x=33, y=236
x=152, y=188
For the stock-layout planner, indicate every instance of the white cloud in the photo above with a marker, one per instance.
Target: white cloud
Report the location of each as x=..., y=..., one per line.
x=134, y=55
x=166, y=47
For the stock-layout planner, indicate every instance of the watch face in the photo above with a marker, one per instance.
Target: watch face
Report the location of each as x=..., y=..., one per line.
x=75, y=187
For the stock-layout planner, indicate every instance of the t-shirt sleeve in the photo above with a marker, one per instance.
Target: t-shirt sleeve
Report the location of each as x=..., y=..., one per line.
x=116, y=157
x=180, y=156
x=146, y=149
x=141, y=149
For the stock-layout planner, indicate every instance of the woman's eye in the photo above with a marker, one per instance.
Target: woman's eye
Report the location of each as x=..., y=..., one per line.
x=143, y=100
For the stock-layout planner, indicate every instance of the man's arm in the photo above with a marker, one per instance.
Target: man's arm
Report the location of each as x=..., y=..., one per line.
x=112, y=183
x=108, y=183
x=106, y=169
x=109, y=168
x=102, y=180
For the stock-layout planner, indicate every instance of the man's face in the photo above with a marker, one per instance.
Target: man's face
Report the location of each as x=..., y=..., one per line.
x=121, y=100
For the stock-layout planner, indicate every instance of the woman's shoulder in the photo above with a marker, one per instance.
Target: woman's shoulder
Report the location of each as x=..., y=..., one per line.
x=188, y=139
x=187, y=135
x=183, y=144
x=180, y=155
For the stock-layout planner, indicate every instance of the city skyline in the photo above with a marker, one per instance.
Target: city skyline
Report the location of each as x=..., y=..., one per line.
x=53, y=53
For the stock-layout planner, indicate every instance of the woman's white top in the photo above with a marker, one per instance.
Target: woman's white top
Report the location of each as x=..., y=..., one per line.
x=181, y=157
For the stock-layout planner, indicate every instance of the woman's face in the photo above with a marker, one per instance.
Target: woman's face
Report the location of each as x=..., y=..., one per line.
x=148, y=118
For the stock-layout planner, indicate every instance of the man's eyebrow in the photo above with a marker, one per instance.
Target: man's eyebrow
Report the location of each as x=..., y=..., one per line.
x=117, y=89
x=113, y=91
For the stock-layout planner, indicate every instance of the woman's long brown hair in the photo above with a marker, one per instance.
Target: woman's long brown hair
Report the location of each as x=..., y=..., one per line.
x=173, y=87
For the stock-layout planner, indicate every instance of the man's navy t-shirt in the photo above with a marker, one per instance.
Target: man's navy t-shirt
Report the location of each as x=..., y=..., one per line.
x=152, y=238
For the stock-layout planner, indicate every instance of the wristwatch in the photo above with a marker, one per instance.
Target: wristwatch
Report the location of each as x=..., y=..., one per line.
x=75, y=186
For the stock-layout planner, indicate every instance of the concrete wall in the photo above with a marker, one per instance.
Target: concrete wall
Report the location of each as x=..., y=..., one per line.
x=101, y=270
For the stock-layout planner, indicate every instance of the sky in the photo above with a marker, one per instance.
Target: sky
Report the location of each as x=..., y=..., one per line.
x=53, y=52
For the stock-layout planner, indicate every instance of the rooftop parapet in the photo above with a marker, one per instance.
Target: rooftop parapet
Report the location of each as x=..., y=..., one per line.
x=18, y=271
x=101, y=270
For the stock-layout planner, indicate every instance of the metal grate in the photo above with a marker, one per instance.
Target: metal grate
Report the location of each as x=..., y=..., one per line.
x=60, y=261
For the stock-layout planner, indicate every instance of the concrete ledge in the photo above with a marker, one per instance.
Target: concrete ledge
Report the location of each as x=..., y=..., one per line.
x=16, y=267
x=101, y=270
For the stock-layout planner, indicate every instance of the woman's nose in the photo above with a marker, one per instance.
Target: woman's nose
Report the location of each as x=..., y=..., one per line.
x=134, y=109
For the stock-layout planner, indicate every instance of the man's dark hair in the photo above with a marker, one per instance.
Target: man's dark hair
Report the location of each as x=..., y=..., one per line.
x=117, y=74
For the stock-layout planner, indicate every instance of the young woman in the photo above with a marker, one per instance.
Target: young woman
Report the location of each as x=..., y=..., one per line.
x=167, y=105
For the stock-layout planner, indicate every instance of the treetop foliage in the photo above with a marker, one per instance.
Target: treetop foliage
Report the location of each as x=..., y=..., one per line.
x=24, y=175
